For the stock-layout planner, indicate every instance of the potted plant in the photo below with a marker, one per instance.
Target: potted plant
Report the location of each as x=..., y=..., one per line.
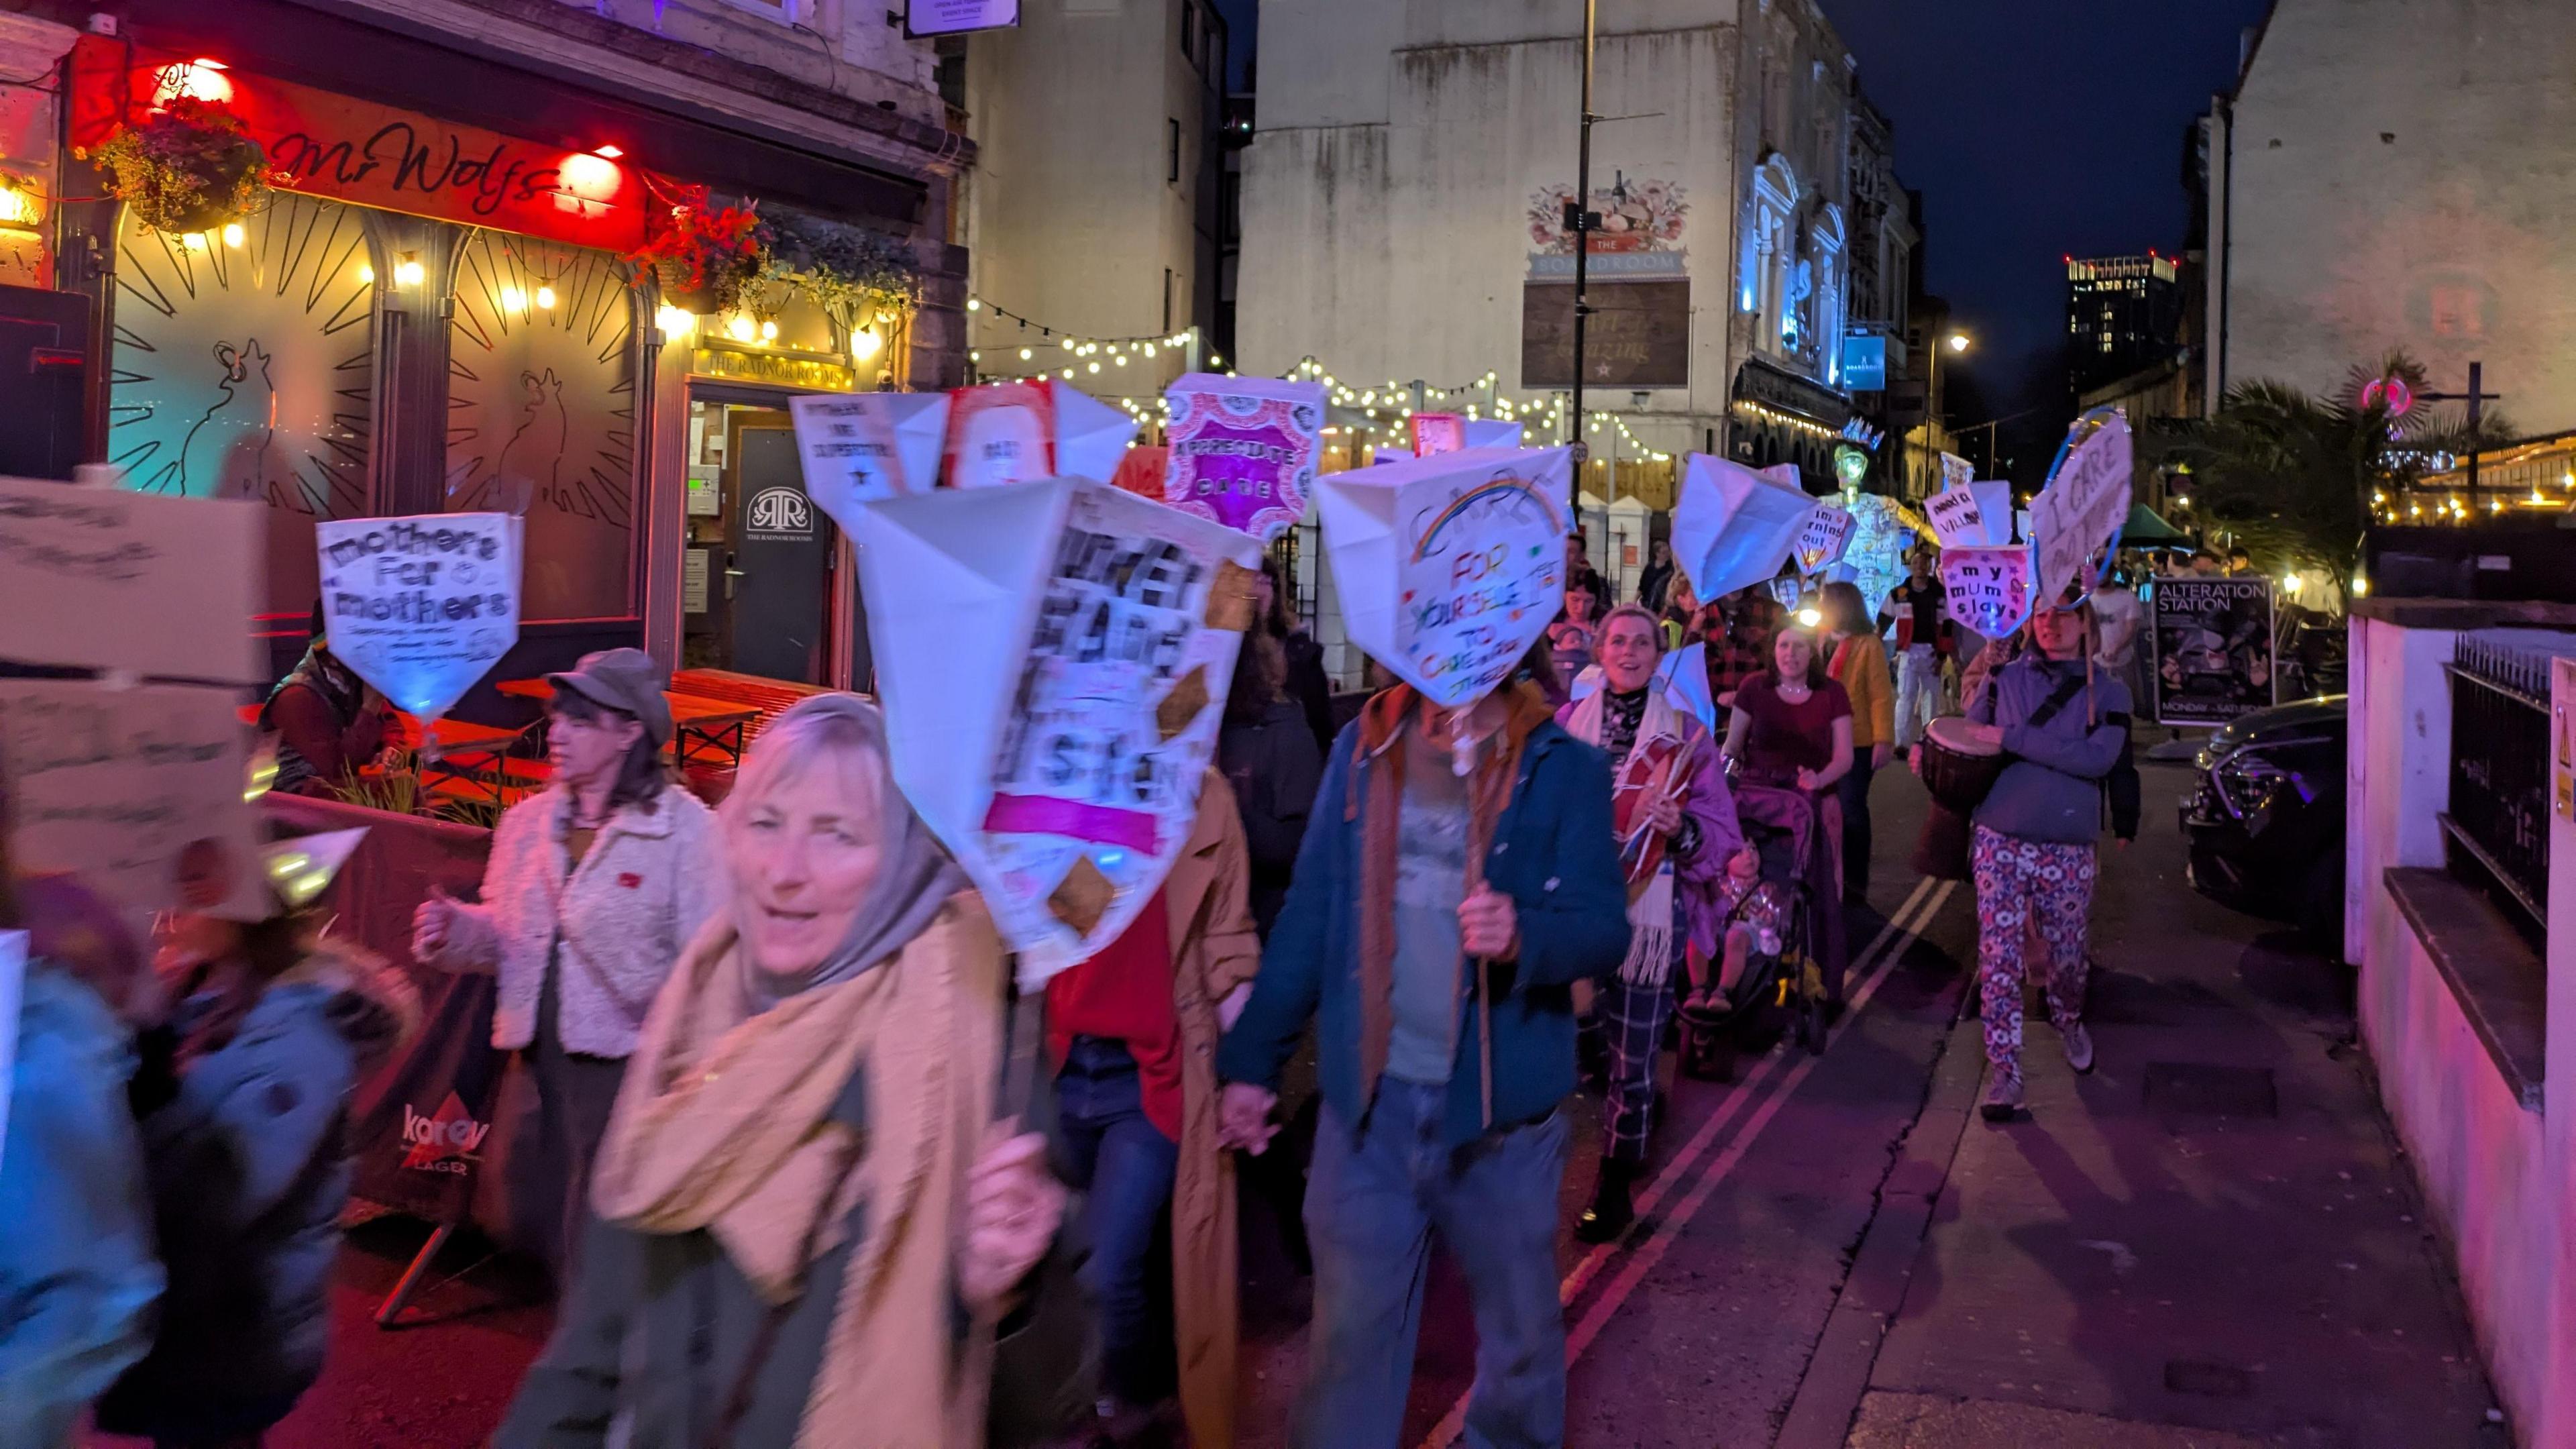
x=852, y=273
x=705, y=256
x=190, y=166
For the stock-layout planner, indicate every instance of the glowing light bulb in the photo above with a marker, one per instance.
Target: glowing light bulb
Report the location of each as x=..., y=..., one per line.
x=546, y=298
x=768, y=331
x=1094, y=366
x=194, y=241
x=740, y=328
x=513, y=300
x=1149, y=349
x=1024, y=354
x=1066, y=343
x=865, y=343
x=675, y=323
x=1122, y=361
x=232, y=233
x=973, y=305
x=366, y=275
x=410, y=274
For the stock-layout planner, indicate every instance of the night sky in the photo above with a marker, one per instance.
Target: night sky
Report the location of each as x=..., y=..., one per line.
x=2035, y=129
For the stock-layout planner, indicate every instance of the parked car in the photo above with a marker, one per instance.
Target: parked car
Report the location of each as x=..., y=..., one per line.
x=2265, y=823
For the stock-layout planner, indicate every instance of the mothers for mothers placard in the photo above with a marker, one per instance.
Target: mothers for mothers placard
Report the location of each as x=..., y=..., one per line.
x=421, y=607
x=1243, y=449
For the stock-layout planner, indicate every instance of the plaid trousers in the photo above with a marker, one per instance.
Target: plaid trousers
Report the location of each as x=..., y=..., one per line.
x=1632, y=1018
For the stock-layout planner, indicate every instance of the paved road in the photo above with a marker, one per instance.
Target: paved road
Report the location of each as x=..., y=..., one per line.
x=2212, y=1242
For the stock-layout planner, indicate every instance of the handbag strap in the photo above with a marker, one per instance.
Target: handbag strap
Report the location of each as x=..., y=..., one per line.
x=2057, y=700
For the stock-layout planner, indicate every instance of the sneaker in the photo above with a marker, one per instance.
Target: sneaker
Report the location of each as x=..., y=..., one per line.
x=2002, y=1099
x=2079, y=1046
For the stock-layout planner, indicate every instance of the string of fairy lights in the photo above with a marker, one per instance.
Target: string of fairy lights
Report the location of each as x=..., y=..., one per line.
x=1377, y=415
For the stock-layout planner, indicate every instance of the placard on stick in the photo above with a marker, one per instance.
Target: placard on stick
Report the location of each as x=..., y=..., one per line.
x=860, y=447
x=421, y=607
x=1734, y=527
x=1243, y=449
x=1054, y=661
x=1821, y=543
x=2080, y=510
x=101, y=578
x=1988, y=589
x=1450, y=567
x=136, y=791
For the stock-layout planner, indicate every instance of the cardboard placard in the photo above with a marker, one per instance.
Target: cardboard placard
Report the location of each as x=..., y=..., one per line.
x=1971, y=515
x=1243, y=449
x=423, y=607
x=1450, y=567
x=101, y=578
x=2076, y=515
x=1438, y=433
x=1054, y=661
x=860, y=447
x=1988, y=589
x=136, y=791
x=1734, y=527
x=1821, y=543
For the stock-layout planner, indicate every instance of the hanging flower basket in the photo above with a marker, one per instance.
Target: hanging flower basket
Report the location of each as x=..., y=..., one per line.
x=705, y=256
x=190, y=166
x=852, y=273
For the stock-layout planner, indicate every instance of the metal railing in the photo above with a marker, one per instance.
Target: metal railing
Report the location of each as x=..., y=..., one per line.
x=2499, y=815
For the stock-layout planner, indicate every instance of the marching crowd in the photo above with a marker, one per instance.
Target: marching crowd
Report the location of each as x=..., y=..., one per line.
x=761, y=1050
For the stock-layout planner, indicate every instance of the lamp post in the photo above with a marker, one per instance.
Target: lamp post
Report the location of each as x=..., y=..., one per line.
x=1579, y=220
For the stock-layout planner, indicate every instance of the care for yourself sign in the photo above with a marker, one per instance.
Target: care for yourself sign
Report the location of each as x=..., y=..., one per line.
x=1243, y=449
x=1988, y=588
x=860, y=447
x=1450, y=567
x=136, y=791
x=421, y=607
x=100, y=578
x=1733, y=527
x=1054, y=661
x=2082, y=507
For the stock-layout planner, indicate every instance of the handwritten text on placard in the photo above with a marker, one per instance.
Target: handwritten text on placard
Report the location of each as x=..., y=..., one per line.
x=421, y=607
x=1988, y=589
x=2079, y=510
x=98, y=578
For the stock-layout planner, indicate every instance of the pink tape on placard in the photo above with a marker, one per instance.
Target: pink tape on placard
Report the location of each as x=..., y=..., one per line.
x=1047, y=815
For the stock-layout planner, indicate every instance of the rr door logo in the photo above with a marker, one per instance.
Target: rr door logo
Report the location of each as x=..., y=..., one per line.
x=781, y=511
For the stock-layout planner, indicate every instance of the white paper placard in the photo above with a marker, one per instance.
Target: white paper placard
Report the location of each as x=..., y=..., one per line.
x=100, y=578
x=1821, y=543
x=1734, y=527
x=1450, y=567
x=1243, y=449
x=1957, y=517
x=1956, y=472
x=860, y=447
x=1054, y=661
x=1090, y=435
x=421, y=607
x=13, y=996
x=136, y=791
x=1491, y=433
x=1987, y=589
x=2079, y=510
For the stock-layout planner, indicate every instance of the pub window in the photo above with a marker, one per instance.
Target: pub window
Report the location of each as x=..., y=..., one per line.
x=541, y=416
x=1189, y=31
x=1172, y=159
x=244, y=367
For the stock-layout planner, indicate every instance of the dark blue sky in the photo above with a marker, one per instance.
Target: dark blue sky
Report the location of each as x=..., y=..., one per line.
x=2035, y=129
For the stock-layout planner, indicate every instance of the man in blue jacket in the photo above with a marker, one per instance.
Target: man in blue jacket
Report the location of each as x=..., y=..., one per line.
x=1457, y=877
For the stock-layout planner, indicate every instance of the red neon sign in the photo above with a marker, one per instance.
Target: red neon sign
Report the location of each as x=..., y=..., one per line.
x=351, y=150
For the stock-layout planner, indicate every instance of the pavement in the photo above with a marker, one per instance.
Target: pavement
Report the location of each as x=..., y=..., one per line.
x=2212, y=1242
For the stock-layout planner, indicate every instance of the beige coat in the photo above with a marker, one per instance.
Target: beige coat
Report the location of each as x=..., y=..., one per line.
x=1214, y=951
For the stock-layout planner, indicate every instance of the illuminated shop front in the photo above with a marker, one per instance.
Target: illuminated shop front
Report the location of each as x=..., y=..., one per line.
x=434, y=315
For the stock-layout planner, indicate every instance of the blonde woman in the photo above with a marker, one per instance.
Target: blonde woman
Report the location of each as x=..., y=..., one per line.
x=806, y=1224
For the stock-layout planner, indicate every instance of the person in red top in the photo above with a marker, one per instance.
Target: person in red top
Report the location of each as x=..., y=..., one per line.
x=1132, y=1033
x=1791, y=728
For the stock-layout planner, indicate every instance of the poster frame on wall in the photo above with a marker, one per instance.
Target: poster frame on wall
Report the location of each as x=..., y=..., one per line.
x=2175, y=595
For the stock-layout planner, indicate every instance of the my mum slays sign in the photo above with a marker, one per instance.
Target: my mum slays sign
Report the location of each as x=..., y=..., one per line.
x=1451, y=566
x=421, y=607
x=1054, y=660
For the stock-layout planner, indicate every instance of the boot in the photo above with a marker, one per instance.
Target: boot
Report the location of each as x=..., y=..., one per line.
x=1611, y=1212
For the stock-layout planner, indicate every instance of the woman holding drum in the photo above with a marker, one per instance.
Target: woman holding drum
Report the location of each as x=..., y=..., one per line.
x=2055, y=726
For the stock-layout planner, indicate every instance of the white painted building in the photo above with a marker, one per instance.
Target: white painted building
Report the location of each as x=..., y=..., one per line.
x=1093, y=208
x=2400, y=174
x=1404, y=195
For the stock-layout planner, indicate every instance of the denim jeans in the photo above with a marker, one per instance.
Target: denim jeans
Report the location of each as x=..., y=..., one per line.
x=1126, y=1165
x=1918, y=692
x=1372, y=1204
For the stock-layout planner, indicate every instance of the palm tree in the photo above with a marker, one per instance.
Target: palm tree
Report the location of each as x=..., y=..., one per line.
x=2293, y=475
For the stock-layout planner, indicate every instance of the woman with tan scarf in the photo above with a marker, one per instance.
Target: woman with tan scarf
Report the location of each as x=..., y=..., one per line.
x=806, y=1224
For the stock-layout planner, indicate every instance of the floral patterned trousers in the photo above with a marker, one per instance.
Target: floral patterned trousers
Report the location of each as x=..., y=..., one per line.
x=2020, y=882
